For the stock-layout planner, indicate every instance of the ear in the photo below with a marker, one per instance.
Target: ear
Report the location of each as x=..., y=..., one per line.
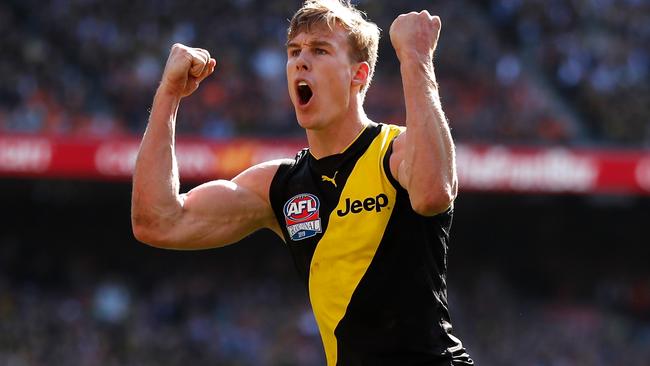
x=360, y=77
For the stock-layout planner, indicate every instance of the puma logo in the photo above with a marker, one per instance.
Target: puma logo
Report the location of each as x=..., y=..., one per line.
x=331, y=180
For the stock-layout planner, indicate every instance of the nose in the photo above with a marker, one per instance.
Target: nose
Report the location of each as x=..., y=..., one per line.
x=302, y=63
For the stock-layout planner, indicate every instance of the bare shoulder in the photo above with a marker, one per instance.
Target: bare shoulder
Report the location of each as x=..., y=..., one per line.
x=221, y=212
x=258, y=178
x=249, y=190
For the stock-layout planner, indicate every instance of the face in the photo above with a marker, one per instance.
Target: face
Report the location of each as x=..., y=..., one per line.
x=321, y=76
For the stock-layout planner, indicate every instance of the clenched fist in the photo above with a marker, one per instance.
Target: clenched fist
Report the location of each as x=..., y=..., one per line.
x=415, y=35
x=185, y=69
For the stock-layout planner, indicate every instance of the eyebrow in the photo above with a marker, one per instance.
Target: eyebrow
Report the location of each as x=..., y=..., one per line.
x=315, y=43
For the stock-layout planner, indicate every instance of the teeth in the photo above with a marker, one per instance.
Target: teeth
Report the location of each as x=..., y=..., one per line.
x=302, y=83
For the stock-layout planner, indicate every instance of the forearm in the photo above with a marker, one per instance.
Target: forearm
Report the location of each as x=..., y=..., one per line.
x=155, y=198
x=429, y=161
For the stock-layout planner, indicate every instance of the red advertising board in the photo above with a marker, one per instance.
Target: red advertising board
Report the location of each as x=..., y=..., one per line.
x=480, y=168
x=551, y=170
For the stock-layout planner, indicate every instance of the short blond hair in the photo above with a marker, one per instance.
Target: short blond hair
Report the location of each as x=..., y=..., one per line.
x=363, y=35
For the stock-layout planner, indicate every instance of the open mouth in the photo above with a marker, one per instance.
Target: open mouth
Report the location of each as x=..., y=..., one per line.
x=304, y=93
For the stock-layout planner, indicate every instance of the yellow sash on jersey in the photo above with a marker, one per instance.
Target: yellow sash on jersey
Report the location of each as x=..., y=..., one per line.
x=345, y=251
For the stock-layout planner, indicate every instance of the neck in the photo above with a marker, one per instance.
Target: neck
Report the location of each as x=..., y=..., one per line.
x=337, y=135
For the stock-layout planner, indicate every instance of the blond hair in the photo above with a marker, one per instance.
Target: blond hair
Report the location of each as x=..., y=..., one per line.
x=363, y=35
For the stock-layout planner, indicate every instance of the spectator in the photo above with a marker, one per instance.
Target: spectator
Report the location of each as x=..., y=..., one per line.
x=90, y=68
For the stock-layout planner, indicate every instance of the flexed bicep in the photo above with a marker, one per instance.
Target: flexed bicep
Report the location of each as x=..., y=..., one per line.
x=216, y=213
x=424, y=162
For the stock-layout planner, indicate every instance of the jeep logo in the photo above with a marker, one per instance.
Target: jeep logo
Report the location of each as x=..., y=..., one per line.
x=368, y=204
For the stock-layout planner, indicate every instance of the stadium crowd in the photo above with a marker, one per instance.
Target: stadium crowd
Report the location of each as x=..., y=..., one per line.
x=511, y=71
x=87, y=67
x=596, y=54
x=105, y=319
x=254, y=312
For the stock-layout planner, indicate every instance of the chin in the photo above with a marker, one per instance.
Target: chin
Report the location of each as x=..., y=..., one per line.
x=307, y=124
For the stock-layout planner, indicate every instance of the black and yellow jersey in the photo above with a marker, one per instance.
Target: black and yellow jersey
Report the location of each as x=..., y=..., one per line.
x=374, y=268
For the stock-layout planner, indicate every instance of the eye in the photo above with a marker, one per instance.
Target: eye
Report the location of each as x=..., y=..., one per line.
x=294, y=52
x=320, y=51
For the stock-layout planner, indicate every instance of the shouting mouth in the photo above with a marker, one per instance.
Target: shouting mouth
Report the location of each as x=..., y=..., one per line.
x=304, y=93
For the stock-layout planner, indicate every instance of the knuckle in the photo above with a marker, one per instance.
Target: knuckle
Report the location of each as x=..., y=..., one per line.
x=202, y=54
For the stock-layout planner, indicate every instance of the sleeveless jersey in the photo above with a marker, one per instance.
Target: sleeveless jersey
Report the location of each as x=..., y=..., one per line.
x=375, y=269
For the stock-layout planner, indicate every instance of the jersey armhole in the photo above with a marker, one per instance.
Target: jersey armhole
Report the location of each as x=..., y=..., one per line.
x=276, y=190
x=395, y=183
x=280, y=174
x=386, y=164
x=275, y=193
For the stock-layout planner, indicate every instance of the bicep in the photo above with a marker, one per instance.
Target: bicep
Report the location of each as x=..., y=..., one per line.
x=218, y=213
x=422, y=171
x=222, y=212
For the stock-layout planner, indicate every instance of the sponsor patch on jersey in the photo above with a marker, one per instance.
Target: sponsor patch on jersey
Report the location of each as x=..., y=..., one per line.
x=301, y=213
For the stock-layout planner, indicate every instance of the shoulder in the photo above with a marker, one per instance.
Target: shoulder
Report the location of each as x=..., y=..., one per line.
x=392, y=135
x=258, y=178
x=264, y=171
x=271, y=166
x=395, y=133
x=395, y=129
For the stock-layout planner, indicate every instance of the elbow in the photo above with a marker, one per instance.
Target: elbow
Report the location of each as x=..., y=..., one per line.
x=146, y=232
x=434, y=201
x=152, y=224
x=141, y=233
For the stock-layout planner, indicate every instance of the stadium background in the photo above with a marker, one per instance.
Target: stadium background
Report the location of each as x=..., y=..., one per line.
x=549, y=254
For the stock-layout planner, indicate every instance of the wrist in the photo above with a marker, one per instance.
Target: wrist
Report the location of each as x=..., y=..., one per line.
x=415, y=68
x=166, y=100
x=413, y=56
x=168, y=90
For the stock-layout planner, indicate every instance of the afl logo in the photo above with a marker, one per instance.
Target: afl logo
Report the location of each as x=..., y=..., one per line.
x=302, y=216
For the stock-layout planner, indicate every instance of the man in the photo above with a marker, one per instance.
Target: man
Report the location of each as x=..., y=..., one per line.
x=365, y=211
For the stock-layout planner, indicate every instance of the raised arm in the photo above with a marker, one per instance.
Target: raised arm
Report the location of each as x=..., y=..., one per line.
x=423, y=156
x=211, y=215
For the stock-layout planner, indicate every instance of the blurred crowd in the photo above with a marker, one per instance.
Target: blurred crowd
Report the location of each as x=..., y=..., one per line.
x=536, y=281
x=511, y=71
x=72, y=306
x=507, y=325
x=596, y=53
x=229, y=314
